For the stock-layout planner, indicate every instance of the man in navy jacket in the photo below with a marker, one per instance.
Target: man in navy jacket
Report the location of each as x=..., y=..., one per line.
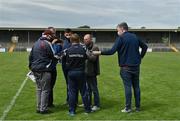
x=40, y=63
x=75, y=63
x=127, y=46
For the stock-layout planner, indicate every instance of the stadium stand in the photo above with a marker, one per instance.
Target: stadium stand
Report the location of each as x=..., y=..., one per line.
x=158, y=40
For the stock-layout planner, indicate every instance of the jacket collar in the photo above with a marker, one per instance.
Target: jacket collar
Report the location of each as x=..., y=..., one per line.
x=90, y=46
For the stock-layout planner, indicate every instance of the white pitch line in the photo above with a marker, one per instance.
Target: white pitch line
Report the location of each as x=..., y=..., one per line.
x=9, y=107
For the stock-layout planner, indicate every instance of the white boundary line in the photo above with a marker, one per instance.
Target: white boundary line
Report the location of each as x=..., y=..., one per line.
x=13, y=101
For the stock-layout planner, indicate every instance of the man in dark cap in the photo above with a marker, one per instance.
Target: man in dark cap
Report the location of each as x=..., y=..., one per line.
x=127, y=46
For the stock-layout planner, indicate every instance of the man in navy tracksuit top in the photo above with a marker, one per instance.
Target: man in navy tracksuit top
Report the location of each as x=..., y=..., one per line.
x=66, y=45
x=127, y=46
x=75, y=62
x=40, y=63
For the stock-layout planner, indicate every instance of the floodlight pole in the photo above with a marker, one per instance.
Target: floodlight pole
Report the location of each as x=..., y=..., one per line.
x=28, y=38
x=169, y=37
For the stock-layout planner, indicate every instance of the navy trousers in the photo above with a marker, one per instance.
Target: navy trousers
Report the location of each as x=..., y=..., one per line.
x=52, y=83
x=76, y=83
x=130, y=77
x=93, y=88
x=65, y=72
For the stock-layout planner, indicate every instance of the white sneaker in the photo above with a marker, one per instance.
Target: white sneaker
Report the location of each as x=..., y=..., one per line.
x=95, y=108
x=81, y=105
x=126, y=110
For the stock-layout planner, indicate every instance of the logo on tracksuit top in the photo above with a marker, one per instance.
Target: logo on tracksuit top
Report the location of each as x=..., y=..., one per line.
x=76, y=56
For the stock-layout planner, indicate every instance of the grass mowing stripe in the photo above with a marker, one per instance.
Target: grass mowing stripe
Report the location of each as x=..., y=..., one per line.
x=13, y=101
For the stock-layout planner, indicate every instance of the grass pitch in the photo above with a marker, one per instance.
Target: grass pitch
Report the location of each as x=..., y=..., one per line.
x=160, y=89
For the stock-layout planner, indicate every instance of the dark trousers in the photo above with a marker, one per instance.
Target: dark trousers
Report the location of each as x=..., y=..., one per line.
x=65, y=72
x=43, y=80
x=93, y=88
x=52, y=83
x=76, y=83
x=130, y=77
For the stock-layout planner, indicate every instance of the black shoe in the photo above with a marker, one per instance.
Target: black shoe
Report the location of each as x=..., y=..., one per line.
x=45, y=112
x=137, y=109
x=51, y=106
x=37, y=111
x=88, y=111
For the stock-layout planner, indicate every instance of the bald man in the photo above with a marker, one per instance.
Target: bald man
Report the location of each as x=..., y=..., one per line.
x=92, y=70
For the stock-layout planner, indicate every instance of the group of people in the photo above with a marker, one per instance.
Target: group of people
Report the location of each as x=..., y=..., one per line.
x=80, y=65
x=80, y=68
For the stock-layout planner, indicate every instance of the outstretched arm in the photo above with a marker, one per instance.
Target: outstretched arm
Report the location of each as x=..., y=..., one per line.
x=92, y=57
x=110, y=51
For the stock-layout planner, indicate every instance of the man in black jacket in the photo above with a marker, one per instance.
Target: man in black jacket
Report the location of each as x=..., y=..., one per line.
x=92, y=70
x=40, y=63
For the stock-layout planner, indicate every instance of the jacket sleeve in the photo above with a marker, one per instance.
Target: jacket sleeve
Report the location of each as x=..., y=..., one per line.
x=144, y=48
x=55, y=48
x=92, y=57
x=111, y=51
x=49, y=51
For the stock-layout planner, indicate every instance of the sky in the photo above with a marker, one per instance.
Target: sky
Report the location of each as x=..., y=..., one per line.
x=94, y=13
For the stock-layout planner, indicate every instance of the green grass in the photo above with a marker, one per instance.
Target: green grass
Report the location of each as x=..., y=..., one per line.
x=160, y=83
